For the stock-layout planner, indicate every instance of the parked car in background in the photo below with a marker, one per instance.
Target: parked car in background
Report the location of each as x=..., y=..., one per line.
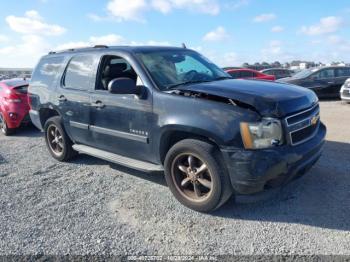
x=170, y=109
x=246, y=73
x=278, y=72
x=14, y=107
x=324, y=81
x=345, y=91
x=231, y=67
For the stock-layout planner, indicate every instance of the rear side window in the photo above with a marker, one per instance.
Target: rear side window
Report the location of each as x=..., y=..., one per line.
x=79, y=71
x=324, y=74
x=341, y=72
x=245, y=74
x=235, y=74
x=47, y=71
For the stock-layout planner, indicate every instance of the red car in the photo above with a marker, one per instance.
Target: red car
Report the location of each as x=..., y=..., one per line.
x=14, y=107
x=246, y=73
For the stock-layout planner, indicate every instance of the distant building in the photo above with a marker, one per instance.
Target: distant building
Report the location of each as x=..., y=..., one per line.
x=300, y=65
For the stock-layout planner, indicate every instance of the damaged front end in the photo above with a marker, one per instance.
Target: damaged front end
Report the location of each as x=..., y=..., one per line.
x=214, y=98
x=282, y=144
x=253, y=171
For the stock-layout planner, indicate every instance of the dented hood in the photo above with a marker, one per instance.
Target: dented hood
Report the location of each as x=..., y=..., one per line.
x=268, y=98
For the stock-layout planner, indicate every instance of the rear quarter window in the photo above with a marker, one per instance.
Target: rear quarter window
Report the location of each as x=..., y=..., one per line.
x=47, y=71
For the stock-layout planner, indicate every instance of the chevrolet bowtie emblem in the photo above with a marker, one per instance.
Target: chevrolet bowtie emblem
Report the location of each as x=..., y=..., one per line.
x=314, y=120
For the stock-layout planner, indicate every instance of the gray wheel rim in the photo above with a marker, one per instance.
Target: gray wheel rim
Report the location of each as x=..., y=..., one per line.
x=55, y=140
x=3, y=126
x=192, y=177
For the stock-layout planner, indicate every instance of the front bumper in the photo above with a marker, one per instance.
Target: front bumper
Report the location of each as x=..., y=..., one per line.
x=255, y=171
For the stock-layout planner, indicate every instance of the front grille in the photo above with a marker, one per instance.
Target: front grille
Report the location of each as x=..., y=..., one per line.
x=303, y=134
x=304, y=125
x=302, y=115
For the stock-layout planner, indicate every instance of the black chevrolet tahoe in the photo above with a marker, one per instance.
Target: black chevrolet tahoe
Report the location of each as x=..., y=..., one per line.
x=171, y=109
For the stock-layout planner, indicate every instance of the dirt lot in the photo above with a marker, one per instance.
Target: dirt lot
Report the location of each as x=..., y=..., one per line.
x=90, y=206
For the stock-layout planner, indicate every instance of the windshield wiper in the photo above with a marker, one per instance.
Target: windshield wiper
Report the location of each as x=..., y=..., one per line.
x=197, y=81
x=186, y=83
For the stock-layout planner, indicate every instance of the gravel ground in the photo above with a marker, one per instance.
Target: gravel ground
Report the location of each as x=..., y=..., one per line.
x=90, y=206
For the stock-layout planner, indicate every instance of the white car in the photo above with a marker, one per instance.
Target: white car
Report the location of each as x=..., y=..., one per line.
x=345, y=91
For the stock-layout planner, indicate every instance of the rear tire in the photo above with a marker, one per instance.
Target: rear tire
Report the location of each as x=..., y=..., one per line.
x=57, y=140
x=196, y=176
x=4, y=128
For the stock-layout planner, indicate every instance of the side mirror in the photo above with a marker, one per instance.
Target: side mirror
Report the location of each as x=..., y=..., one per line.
x=123, y=86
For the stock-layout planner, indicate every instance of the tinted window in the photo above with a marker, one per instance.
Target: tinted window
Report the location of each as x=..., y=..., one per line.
x=245, y=74
x=281, y=73
x=235, y=74
x=78, y=73
x=325, y=73
x=47, y=71
x=343, y=72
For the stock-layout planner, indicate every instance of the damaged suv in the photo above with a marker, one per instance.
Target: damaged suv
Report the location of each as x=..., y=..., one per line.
x=170, y=109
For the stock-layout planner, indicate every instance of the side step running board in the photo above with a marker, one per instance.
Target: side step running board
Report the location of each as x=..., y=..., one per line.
x=117, y=159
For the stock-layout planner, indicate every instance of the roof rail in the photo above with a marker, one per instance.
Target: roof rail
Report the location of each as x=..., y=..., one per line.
x=76, y=49
x=100, y=46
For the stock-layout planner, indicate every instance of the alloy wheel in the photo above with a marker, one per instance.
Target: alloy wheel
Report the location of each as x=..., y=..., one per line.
x=192, y=177
x=3, y=126
x=55, y=140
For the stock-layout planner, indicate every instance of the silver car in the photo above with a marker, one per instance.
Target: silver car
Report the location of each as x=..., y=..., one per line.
x=345, y=91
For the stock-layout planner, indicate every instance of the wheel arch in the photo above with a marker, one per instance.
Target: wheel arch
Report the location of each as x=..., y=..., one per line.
x=47, y=112
x=173, y=134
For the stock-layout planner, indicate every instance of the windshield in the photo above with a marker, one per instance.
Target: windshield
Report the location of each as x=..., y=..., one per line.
x=172, y=68
x=304, y=73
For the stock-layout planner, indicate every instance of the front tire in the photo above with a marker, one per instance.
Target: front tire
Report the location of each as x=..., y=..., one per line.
x=194, y=175
x=57, y=140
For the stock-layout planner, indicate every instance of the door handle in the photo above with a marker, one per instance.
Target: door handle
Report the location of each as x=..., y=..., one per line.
x=62, y=98
x=98, y=104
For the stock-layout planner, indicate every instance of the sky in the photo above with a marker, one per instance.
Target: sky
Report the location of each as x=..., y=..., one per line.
x=229, y=32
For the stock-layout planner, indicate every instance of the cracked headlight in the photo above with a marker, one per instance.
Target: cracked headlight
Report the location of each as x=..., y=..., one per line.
x=264, y=134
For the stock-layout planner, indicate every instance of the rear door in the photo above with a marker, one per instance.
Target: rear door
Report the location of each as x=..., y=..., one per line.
x=73, y=96
x=322, y=81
